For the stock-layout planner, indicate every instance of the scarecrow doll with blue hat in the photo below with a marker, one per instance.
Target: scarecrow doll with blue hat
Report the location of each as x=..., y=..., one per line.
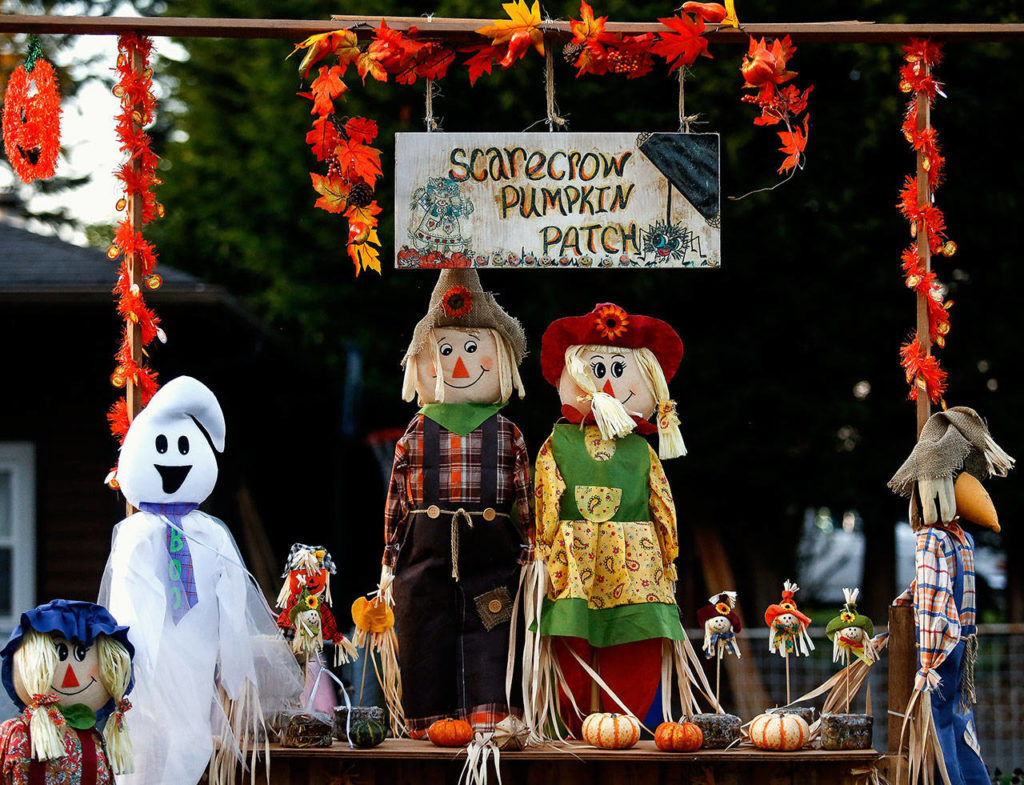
x=68, y=667
x=458, y=521
x=601, y=595
x=942, y=477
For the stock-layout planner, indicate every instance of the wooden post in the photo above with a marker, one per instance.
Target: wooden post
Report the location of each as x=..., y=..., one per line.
x=133, y=395
x=902, y=669
x=924, y=196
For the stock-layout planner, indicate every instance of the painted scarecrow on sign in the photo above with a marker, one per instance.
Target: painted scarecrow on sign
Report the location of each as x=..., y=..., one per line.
x=459, y=515
x=68, y=668
x=606, y=521
x=942, y=477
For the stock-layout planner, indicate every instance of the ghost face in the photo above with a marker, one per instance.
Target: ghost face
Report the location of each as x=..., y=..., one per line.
x=76, y=679
x=613, y=371
x=166, y=459
x=718, y=624
x=469, y=366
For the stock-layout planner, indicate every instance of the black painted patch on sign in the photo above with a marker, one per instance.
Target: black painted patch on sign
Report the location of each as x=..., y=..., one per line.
x=690, y=162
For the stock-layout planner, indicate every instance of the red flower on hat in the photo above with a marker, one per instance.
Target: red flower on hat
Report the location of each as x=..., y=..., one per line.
x=611, y=322
x=457, y=302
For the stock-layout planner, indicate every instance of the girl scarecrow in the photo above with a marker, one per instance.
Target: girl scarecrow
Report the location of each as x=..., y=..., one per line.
x=458, y=519
x=68, y=667
x=788, y=626
x=604, y=590
x=942, y=477
x=210, y=659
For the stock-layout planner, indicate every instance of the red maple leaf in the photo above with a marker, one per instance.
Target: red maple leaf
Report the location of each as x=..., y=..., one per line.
x=333, y=192
x=481, y=61
x=683, y=46
x=326, y=87
x=361, y=130
x=793, y=144
x=322, y=138
x=434, y=62
x=359, y=161
x=587, y=28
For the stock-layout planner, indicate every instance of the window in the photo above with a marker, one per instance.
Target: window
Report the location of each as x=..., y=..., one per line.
x=17, y=530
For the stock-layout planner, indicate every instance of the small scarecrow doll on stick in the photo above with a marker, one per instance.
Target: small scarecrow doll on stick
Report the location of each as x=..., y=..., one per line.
x=458, y=522
x=788, y=629
x=721, y=623
x=942, y=478
x=68, y=667
x=601, y=594
x=851, y=633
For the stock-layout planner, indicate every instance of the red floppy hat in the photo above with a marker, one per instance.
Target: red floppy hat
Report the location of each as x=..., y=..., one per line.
x=609, y=325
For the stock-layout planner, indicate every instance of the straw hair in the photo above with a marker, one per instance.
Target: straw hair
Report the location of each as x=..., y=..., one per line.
x=508, y=371
x=610, y=415
x=670, y=440
x=35, y=661
x=116, y=676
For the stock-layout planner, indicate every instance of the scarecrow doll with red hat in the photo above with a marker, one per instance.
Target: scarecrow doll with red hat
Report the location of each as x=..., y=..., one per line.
x=603, y=602
x=942, y=477
x=459, y=516
x=68, y=667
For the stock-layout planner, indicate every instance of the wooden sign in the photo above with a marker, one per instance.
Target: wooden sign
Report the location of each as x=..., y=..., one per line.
x=621, y=200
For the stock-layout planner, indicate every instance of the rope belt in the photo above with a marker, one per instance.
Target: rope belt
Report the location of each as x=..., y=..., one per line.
x=968, y=696
x=434, y=512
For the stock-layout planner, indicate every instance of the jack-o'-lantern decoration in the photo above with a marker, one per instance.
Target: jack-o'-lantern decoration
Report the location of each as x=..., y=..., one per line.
x=31, y=121
x=611, y=731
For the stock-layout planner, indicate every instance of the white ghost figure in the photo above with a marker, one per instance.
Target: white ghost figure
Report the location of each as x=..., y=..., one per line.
x=199, y=623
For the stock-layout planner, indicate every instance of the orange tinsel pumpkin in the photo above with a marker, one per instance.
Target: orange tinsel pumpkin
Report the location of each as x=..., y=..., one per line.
x=678, y=737
x=450, y=733
x=31, y=121
x=372, y=615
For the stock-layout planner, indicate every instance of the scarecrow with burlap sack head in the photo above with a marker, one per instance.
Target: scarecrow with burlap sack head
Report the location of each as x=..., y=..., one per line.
x=458, y=520
x=942, y=478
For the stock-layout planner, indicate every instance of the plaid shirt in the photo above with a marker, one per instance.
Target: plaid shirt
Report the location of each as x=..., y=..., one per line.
x=939, y=621
x=459, y=480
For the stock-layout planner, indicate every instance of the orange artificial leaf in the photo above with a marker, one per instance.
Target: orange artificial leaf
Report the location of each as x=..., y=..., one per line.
x=481, y=61
x=368, y=65
x=361, y=130
x=347, y=48
x=793, y=144
x=521, y=18
x=319, y=46
x=322, y=138
x=366, y=255
x=587, y=28
x=333, y=192
x=434, y=62
x=326, y=87
x=366, y=215
x=685, y=44
x=359, y=161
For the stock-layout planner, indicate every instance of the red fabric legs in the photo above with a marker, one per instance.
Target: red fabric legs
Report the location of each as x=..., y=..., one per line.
x=631, y=670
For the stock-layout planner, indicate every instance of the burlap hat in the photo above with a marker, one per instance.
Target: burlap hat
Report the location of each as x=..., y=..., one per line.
x=458, y=300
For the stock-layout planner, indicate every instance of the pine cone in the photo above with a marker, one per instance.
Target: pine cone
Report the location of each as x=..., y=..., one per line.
x=571, y=52
x=360, y=195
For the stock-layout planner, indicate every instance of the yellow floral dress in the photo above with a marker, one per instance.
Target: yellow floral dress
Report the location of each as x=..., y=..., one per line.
x=606, y=529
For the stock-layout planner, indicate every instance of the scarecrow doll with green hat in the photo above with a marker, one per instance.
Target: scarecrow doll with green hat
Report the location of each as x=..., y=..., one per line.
x=458, y=521
x=851, y=632
x=601, y=598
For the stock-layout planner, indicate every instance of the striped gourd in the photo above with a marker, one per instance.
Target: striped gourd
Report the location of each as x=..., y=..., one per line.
x=785, y=732
x=367, y=733
x=611, y=731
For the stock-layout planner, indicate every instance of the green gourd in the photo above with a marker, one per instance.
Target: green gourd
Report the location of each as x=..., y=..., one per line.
x=367, y=733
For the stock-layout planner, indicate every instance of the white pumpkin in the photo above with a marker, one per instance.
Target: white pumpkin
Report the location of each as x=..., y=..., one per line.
x=611, y=731
x=783, y=732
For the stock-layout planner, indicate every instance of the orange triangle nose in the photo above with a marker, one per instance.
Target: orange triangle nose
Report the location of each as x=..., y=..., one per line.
x=608, y=388
x=460, y=371
x=69, y=679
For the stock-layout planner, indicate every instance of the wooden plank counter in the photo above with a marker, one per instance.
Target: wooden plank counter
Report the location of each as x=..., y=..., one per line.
x=407, y=762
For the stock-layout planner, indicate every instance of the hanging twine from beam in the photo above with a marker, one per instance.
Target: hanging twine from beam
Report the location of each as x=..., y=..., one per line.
x=549, y=90
x=684, y=119
x=428, y=116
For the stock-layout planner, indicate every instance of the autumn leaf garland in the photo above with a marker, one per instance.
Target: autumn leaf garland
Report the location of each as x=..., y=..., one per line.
x=923, y=371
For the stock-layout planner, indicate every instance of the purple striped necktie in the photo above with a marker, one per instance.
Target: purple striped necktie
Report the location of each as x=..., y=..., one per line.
x=181, y=584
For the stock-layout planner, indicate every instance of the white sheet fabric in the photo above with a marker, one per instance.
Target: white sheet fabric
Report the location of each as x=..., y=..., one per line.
x=229, y=640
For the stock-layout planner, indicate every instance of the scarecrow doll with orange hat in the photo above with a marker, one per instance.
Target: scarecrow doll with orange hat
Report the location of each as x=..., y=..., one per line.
x=604, y=605
x=68, y=667
x=942, y=476
x=459, y=517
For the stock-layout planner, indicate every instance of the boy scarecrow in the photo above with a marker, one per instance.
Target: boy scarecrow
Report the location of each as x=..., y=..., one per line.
x=459, y=518
x=606, y=522
x=942, y=477
x=851, y=632
x=721, y=623
x=68, y=667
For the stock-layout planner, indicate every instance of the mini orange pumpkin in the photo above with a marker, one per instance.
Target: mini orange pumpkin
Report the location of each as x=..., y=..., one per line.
x=678, y=737
x=450, y=733
x=783, y=732
x=611, y=731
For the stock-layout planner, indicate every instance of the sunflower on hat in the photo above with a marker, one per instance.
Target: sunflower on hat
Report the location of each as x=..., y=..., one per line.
x=788, y=625
x=851, y=632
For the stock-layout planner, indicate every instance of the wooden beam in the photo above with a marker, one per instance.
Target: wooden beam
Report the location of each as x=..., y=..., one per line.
x=455, y=30
x=902, y=669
